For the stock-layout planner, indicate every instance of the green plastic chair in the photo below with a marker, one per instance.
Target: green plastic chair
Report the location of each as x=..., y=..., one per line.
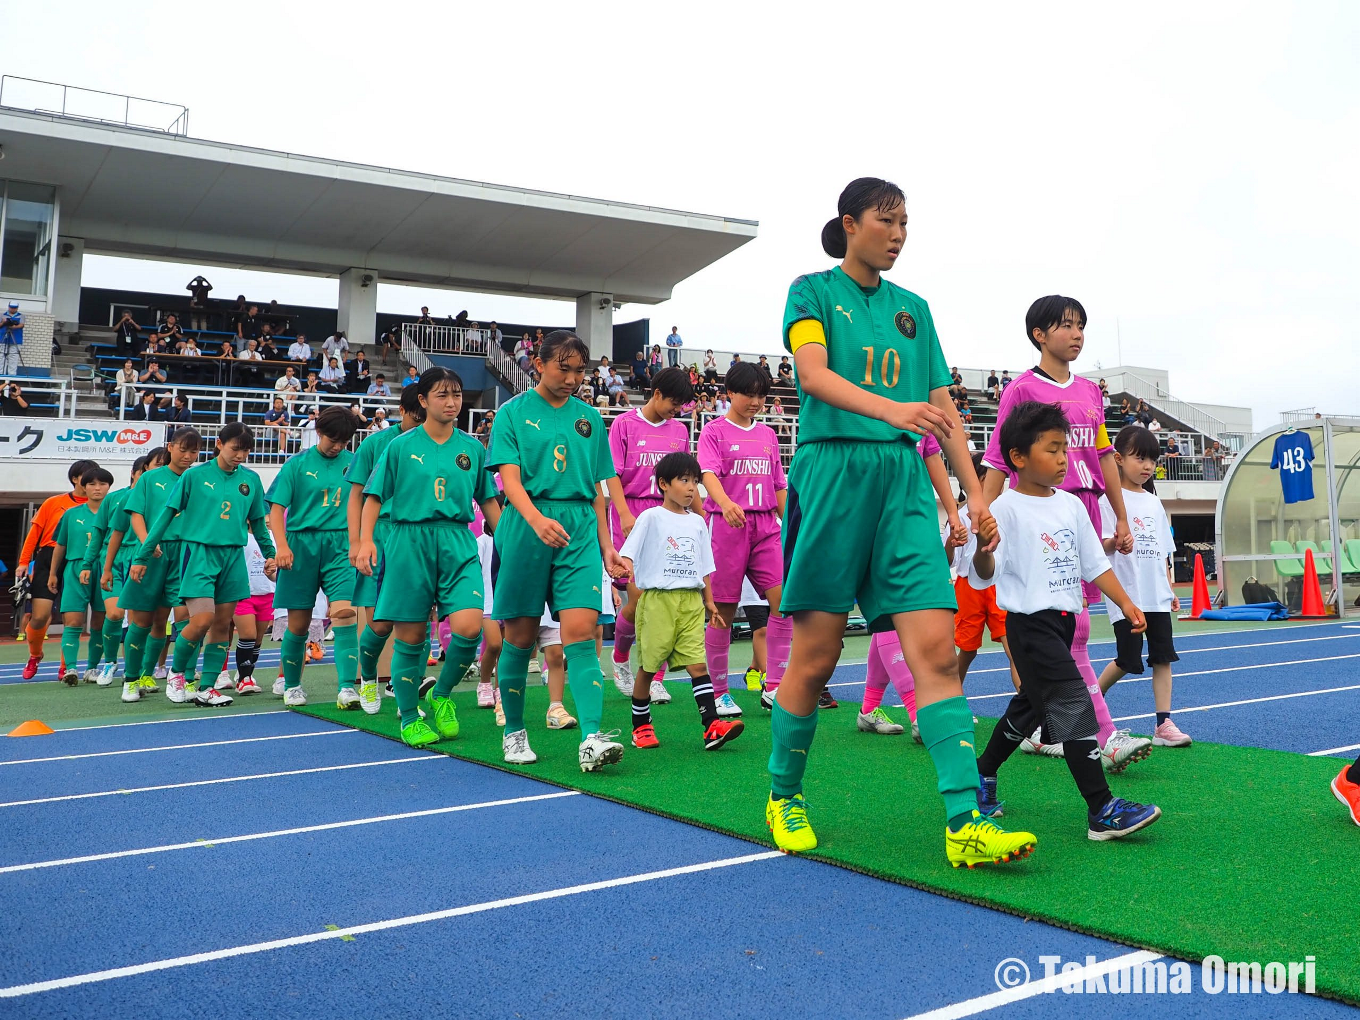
x=1324, y=567
x=1351, y=550
x=1344, y=562
x=1285, y=568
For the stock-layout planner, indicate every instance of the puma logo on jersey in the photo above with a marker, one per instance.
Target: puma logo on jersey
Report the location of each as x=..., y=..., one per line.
x=210, y=485
x=596, y=590
x=533, y=423
x=477, y=593
x=964, y=743
x=419, y=456
x=311, y=474
x=846, y=314
x=160, y=485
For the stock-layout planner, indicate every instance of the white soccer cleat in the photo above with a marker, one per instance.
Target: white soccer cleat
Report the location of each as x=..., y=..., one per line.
x=207, y=697
x=623, y=679
x=295, y=698
x=370, y=696
x=1122, y=750
x=516, y=749
x=1034, y=745
x=105, y=677
x=599, y=750
x=347, y=698
x=174, y=688
x=160, y=673
x=90, y=676
x=660, y=696
x=727, y=705
x=224, y=681
x=278, y=687
x=878, y=721
x=132, y=691
x=916, y=732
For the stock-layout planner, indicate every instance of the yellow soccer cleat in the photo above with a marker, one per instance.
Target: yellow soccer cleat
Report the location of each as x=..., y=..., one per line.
x=788, y=824
x=982, y=841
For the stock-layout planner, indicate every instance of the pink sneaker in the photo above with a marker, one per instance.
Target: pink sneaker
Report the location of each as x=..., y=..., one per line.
x=486, y=697
x=1167, y=735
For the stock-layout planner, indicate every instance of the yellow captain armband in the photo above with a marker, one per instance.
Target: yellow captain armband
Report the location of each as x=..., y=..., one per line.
x=806, y=331
x=1102, y=438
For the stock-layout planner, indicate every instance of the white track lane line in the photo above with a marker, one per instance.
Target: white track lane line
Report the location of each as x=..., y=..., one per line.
x=971, y=1007
x=1233, y=704
x=215, y=717
x=15, y=991
x=1334, y=750
x=325, y=826
x=228, y=779
x=181, y=747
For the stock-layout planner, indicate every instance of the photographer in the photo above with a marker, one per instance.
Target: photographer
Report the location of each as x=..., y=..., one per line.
x=198, y=289
x=11, y=339
x=126, y=333
x=12, y=400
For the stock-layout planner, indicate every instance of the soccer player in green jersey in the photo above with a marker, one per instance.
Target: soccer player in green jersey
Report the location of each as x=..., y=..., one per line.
x=92, y=570
x=148, y=600
x=428, y=478
x=223, y=499
x=307, y=517
x=74, y=536
x=374, y=670
x=872, y=380
x=552, y=453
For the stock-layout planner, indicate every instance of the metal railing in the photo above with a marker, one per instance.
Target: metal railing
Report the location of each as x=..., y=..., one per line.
x=228, y=404
x=1184, y=412
x=92, y=104
x=42, y=390
x=414, y=355
x=274, y=444
x=446, y=339
x=507, y=367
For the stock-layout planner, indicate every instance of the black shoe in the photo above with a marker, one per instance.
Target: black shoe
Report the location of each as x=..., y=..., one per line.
x=826, y=700
x=426, y=686
x=387, y=690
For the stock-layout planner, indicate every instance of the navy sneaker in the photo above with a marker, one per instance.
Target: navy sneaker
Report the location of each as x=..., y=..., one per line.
x=988, y=805
x=1120, y=817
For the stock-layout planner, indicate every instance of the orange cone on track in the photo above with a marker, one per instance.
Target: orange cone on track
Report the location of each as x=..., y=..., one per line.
x=1312, y=589
x=1199, y=601
x=32, y=728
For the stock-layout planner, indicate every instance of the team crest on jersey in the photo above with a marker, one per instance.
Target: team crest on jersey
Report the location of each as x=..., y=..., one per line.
x=243, y=488
x=905, y=324
x=463, y=461
x=583, y=428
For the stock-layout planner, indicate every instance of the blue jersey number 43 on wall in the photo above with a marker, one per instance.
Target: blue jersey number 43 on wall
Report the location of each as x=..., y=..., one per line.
x=1294, y=457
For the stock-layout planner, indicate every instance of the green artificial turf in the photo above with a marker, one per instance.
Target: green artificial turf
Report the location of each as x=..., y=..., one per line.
x=1249, y=861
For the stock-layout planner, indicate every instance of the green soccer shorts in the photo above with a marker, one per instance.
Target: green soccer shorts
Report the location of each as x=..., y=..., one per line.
x=76, y=597
x=366, y=586
x=428, y=566
x=533, y=574
x=860, y=526
x=160, y=586
x=670, y=628
x=216, y=572
x=320, y=563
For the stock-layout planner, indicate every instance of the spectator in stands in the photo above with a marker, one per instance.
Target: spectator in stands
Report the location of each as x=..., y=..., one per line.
x=703, y=407
x=461, y=321
x=764, y=367
x=358, y=372
x=308, y=439
x=378, y=387
x=268, y=350
x=1213, y=462
x=1144, y=414
x=1005, y=379
x=190, y=348
x=147, y=409
x=994, y=385
x=965, y=412
x=956, y=381
x=494, y=336
x=1104, y=391
x=694, y=378
x=249, y=374
x=12, y=400
x=311, y=384
x=125, y=380
x=710, y=366
x=424, y=319
x=333, y=376
x=673, y=345
x=390, y=340
x=584, y=392
x=335, y=346
x=278, y=418
x=614, y=385
x=1126, y=412
x=198, y=289
x=654, y=362
x=736, y=359
x=179, y=412
x=472, y=339
x=1154, y=425
x=153, y=373
x=358, y=413
x=227, y=351
x=288, y=384
x=639, y=371
x=248, y=327
x=300, y=350
x=380, y=421
x=126, y=333
x=524, y=353
x=169, y=334
x=251, y=352
x=1173, y=457
x=960, y=394
x=155, y=345
x=604, y=365
x=412, y=377
x=785, y=371
x=721, y=405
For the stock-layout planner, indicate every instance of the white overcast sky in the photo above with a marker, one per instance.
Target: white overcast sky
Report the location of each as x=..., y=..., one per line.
x=1189, y=170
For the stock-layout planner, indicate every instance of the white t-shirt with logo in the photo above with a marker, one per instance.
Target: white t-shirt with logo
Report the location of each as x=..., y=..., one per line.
x=1142, y=572
x=963, y=554
x=485, y=548
x=669, y=551
x=259, y=583
x=1048, y=547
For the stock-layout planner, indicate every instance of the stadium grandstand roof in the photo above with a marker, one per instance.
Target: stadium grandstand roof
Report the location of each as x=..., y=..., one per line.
x=143, y=193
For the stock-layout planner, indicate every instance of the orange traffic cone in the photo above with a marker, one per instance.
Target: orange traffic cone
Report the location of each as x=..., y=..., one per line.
x=1199, y=601
x=32, y=728
x=1312, y=589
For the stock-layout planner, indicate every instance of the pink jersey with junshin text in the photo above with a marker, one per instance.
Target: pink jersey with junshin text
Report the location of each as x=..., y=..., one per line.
x=1084, y=408
x=746, y=461
x=638, y=446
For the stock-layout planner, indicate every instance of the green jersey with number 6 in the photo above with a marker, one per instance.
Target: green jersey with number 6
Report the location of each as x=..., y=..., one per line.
x=422, y=481
x=882, y=340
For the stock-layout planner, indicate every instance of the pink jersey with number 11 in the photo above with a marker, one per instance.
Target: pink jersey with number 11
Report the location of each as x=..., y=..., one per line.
x=638, y=446
x=746, y=461
x=1083, y=407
